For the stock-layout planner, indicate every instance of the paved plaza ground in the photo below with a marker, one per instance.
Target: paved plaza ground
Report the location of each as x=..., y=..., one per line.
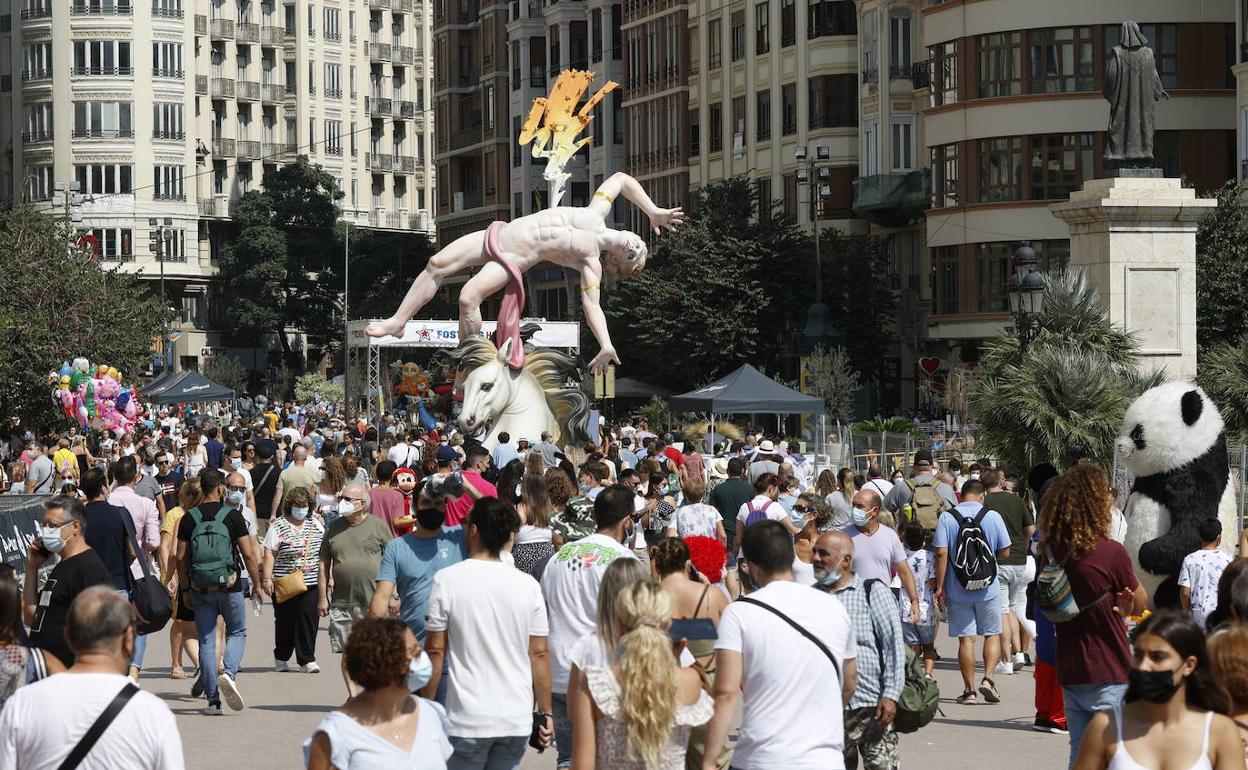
x=283, y=709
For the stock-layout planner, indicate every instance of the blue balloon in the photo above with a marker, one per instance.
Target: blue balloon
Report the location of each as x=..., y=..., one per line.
x=426, y=420
x=122, y=400
x=66, y=370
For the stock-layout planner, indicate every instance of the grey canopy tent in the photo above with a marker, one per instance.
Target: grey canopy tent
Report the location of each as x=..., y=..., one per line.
x=746, y=391
x=185, y=387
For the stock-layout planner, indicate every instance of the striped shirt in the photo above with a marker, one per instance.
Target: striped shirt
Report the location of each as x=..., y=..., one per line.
x=294, y=547
x=881, y=651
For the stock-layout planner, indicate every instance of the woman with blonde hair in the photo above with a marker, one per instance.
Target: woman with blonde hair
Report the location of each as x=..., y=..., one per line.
x=825, y=484
x=643, y=706
x=183, y=637
x=1228, y=659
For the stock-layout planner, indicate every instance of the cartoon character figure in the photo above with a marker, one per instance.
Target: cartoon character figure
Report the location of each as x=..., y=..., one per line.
x=414, y=382
x=405, y=482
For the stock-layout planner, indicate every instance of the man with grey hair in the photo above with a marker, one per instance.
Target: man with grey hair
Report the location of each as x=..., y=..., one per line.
x=46, y=724
x=350, y=555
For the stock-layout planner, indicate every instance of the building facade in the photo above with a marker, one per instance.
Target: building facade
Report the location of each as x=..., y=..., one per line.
x=1005, y=100
x=164, y=112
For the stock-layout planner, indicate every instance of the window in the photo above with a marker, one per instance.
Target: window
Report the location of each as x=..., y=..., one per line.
x=695, y=134
x=945, y=267
x=617, y=116
x=993, y=265
x=38, y=61
x=762, y=30
x=331, y=21
x=945, y=175
x=38, y=122
x=832, y=101
x=1000, y=64
x=738, y=35
x=1060, y=60
x=692, y=48
x=487, y=102
x=167, y=60
x=790, y=197
x=167, y=120
x=899, y=42
x=944, y=58
x=788, y=23
x=311, y=77
x=106, y=120
x=38, y=184
x=712, y=44
x=762, y=115
x=99, y=178
x=1163, y=39
x=167, y=183
x=788, y=109
x=333, y=137
x=830, y=18
x=333, y=80
x=168, y=8
x=869, y=44
x=1059, y=164
x=617, y=19
x=311, y=20
x=715, y=128
x=311, y=134
x=115, y=243
x=595, y=34
x=1001, y=169
x=870, y=148
x=102, y=57
x=765, y=202
x=903, y=143
x=738, y=123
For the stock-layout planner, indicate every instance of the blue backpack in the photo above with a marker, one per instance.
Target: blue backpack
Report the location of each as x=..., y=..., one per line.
x=754, y=515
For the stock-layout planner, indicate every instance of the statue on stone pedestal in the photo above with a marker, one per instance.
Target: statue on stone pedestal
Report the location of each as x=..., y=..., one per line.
x=1132, y=87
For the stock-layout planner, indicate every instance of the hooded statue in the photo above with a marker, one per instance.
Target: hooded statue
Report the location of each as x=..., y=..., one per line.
x=1132, y=87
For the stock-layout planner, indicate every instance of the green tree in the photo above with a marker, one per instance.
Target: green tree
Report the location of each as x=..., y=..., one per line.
x=383, y=266
x=860, y=297
x=226, y=370
x=56, y=304
x=831, y=377
x=1224, y=376
x=1063, y=398
x=307, y=386
x=1222, y=271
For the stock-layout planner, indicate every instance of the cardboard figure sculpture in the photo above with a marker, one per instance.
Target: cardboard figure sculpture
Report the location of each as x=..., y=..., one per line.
x=1174, y=442
x=572, y=237
x=413, y=382
x=405, y=482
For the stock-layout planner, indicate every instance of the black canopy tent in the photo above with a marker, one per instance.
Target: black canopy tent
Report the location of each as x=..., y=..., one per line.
x=158, y=382
x=186, y=387
x=627, y=387
x=746, y=391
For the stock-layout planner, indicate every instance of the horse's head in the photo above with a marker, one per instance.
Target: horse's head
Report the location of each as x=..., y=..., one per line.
x=487, y=391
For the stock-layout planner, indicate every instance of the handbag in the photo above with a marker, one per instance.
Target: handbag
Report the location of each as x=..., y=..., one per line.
x=151, y=602
x=289, y=586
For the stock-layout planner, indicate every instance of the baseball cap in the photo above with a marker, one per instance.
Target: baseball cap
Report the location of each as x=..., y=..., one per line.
x=446, y=454
x=922, y=457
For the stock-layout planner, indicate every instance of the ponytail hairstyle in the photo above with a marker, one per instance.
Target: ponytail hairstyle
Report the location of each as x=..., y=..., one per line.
x=647, y=670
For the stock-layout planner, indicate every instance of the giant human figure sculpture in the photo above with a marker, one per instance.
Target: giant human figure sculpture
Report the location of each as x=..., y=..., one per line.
x=1133, y=88
x=573, y=237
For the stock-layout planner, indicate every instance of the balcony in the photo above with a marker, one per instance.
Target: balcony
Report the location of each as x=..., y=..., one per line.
x=201, y=24
x=102, y=71
x=378, y=5
x=162, y=12
x=404, y=54
x=37, y=137
x=916, y=73
x=248, y=91
x=893, y=200
x=221, y=88
x=921, y=74
x=291, y=95
x=201, y=85
x=378, y=107
x=248, y=150
x=272, y=93
x=272, y=151
x=246, y=32
x=379, y=52
x=101, y=9
x=333, y=93
x=39, y=74
x=407, y=110
x=102, y=133
x=272, y=36
x=220, y=29
x=38, y=12
x=404, y=164
x=167, y=72
x=223, y=148
x=171, y=136
x=409, y=6
x=379, y=162
x=217, y=206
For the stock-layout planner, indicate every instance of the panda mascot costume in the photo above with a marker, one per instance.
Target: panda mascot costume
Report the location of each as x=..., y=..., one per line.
x=1173, y=442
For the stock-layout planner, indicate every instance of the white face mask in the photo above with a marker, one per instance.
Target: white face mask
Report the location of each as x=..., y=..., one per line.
x=346, y=507
x=236, y=462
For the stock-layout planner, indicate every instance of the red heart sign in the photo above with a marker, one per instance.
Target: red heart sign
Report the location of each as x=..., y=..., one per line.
x=930, y=365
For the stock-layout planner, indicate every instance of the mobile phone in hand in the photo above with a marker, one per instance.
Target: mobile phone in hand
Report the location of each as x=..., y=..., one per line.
x=535, y=737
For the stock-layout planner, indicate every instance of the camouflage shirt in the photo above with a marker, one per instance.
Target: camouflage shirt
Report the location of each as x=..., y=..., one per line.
x=576, y=520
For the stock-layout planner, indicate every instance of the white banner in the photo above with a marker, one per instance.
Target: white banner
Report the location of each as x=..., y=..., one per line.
x=445, y=334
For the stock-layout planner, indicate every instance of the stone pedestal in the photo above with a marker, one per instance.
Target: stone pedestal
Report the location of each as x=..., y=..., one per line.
x=1135, y=239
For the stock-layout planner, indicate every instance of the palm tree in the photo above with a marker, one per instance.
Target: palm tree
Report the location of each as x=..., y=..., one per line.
x=1224, y=376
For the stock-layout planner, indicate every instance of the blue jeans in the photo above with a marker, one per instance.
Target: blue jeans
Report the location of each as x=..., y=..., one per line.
x=487, y=753
x=230, y=606
x=1082, y=703
x=563, y=729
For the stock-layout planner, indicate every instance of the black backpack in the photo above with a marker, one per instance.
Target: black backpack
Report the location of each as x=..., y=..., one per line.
x=974, y=561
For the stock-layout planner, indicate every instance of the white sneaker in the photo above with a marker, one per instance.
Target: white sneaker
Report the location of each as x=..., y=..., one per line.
x=310, y=668
x=1005, y=668
x=281, y=665
x=229, y=692
x=1020, y=660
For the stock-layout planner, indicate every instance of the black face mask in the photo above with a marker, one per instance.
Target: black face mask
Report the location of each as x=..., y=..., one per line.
x=1151, y=686
x=430, y=518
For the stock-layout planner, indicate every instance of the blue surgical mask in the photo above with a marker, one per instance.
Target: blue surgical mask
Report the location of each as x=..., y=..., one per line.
x=584, y=488
x=859, y=518
x=830, y=579
x=52, y=539
x=299, y=513
x=235, y=497
x=419, y=672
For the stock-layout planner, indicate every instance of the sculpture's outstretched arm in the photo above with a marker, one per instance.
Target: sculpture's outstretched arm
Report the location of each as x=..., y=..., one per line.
x=622, y=184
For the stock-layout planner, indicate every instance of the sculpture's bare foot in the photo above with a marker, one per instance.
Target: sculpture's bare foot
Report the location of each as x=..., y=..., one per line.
x=392, y=327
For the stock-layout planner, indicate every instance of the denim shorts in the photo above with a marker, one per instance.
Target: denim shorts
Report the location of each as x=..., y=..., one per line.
x=913, y=634
x=981, y=618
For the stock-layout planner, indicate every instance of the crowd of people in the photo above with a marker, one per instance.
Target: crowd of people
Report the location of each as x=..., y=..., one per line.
x=615, y=602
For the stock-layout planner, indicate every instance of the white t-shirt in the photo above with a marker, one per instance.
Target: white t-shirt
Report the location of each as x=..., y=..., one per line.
x=774, y=510
x=292, y=434
x=882, y=486
x=43, y=722
x=489, y=611
x=923, y=567
x=787, y=723
x=401, y=454
x=698, y=519
x=570, y=586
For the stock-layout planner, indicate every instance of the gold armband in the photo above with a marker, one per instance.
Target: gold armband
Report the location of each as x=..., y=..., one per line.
x=604, y=196
x=586, y=289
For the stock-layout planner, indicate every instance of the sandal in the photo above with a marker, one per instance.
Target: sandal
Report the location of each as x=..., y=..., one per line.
x=967, y=698
x=178, y=673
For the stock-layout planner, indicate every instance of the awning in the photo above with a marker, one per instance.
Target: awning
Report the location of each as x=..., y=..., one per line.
x=746, y=391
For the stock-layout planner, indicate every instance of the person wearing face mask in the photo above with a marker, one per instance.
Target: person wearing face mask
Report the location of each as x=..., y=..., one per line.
x=61, y=533
x=385, y=726
x=878, y=553
x=293, y=545
x=409, y=563
x=1174, y=713
x=231, y=463
x=881, y=652
x=350, y=555
x=43, y=724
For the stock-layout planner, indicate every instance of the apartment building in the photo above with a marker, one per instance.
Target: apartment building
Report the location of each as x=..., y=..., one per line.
x=991, y=111
x=164, y=111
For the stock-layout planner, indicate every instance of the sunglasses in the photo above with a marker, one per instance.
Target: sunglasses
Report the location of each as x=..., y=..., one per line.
x=800, y=509
x=237, y=489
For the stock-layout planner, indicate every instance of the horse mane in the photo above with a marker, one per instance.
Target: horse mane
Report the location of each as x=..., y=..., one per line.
x=551, y=369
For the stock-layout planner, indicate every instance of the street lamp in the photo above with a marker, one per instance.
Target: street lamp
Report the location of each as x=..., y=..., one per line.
x=1026, y=293
x=810, y=171
x=164, y=233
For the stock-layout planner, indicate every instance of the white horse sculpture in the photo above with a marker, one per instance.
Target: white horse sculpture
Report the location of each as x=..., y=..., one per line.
x=523, y=403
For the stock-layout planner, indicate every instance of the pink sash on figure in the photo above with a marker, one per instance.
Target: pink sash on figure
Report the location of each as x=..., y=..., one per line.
x=513, y=299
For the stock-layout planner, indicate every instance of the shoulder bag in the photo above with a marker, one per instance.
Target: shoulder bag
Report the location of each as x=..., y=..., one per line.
x=101, y=723
x=823, y=647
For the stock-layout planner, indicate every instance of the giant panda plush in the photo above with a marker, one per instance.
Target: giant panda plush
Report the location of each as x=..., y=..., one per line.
x=1173, y=441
